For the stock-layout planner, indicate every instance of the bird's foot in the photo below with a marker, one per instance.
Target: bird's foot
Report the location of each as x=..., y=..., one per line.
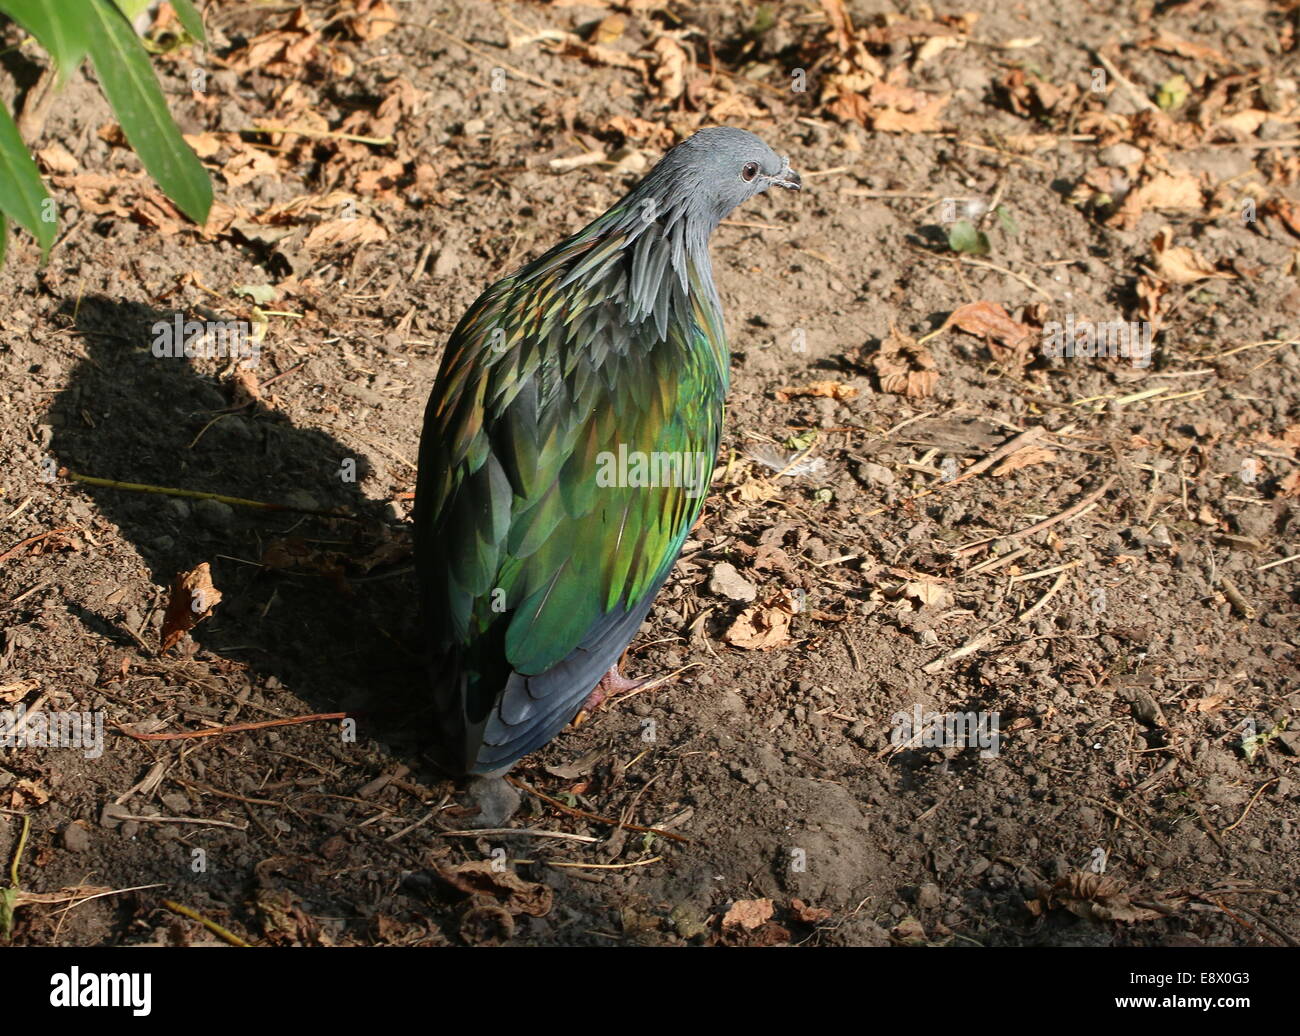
x=497, y=801
x=612, y=683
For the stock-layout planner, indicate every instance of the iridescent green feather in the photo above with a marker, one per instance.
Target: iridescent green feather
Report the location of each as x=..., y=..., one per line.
x=510, y=504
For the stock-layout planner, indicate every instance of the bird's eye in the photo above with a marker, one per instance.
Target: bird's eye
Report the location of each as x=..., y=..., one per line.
x=749, y=171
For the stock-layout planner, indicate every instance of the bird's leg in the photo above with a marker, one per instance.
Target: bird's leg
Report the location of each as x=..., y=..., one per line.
x=613, y=682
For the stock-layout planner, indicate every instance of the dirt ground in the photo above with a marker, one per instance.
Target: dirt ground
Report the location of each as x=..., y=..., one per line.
x=1115, y=590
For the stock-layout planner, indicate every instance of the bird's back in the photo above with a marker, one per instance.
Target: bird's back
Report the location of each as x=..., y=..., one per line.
x=567, y=448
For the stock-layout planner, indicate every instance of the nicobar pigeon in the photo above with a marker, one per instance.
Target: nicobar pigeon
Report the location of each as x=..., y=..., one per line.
x=535, y=571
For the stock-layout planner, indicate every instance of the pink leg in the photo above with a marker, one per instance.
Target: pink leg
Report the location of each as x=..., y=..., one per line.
x=613, y=682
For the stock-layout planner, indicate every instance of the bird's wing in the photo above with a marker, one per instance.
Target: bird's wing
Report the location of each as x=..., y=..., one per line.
x=538, y=559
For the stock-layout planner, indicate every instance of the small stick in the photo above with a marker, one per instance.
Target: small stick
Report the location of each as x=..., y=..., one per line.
x=18, y=510
x=234, y=728
x=303, y=131
x=17, y=548
x=530, y=831
x=1016, y=442
x=201, y=821
x=853, y=652
x=1151, y=781
x=1060, y=581
x=1046, y=523
x=18, y=852
x=1251, y=345
x=283, y=374
x=1012, y=445
x=1010, y=273
x=605, y=866
x=192, y=494
x=489, y=57
x=655, y=684
x=1046, y=571
x=1274, y=564
x=998, y=561
x=1235, y=598
x=211, y=926
x=1250, y=805
x=854, y=192
x=593, y=816
x=970, y=647
x=1143, y=101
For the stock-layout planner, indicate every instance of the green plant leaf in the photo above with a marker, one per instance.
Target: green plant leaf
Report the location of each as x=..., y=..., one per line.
x=22, y=195
x=1007, y=220
x=132, y=9
x=963, y=237
x=4, y=236
x=1172, y=93
x=259, y=293
x=57, y=28
x=131, y=88
x=8, y=903
x=190, y=19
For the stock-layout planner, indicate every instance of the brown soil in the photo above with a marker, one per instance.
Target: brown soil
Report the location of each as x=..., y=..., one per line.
x=1125, y=678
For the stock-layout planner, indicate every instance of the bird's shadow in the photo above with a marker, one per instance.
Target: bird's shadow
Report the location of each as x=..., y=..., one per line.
x=338, y=640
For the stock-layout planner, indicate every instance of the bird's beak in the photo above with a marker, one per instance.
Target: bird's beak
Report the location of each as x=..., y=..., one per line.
x=788, y=179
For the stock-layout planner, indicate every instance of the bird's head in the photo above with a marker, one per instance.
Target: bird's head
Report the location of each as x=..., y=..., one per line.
x=716, y=170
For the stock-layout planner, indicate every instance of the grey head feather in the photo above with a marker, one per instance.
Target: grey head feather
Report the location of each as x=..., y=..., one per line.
x=671, y=214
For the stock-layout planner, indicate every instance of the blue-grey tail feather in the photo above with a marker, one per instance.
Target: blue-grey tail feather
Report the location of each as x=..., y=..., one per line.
x=531, y=709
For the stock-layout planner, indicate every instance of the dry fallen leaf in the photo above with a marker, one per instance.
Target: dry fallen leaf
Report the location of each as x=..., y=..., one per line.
x=1243, y=124
x=608, y=29
x=756, y=490
x=246, y=388
x=205, y=145
x=808, y=914
x=338, y=233
x=1096, y=897
x=1162, y=191
x=734, y=106
x=32, y=790
x=764, y=625
x=643, y=131
x=1029, y=143
x=192, y=599
x=748, y=913
x=1150, y=291
x=57, y=159
x=373, y=20
x=1168, y=43
x=247, y=164
x=515, y=895
x=841, y=24
x=671, y=73
x=928, y=594
x=1210, y=703
x=836, y=390
x=904, y=366
x=923, y=120
x=13, y=692
x=1023, y=458
x=935, y=46
x=54, y=542
x=280, y=51
x=1288, y=213
x=1008, y=339
x=1179, y=264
